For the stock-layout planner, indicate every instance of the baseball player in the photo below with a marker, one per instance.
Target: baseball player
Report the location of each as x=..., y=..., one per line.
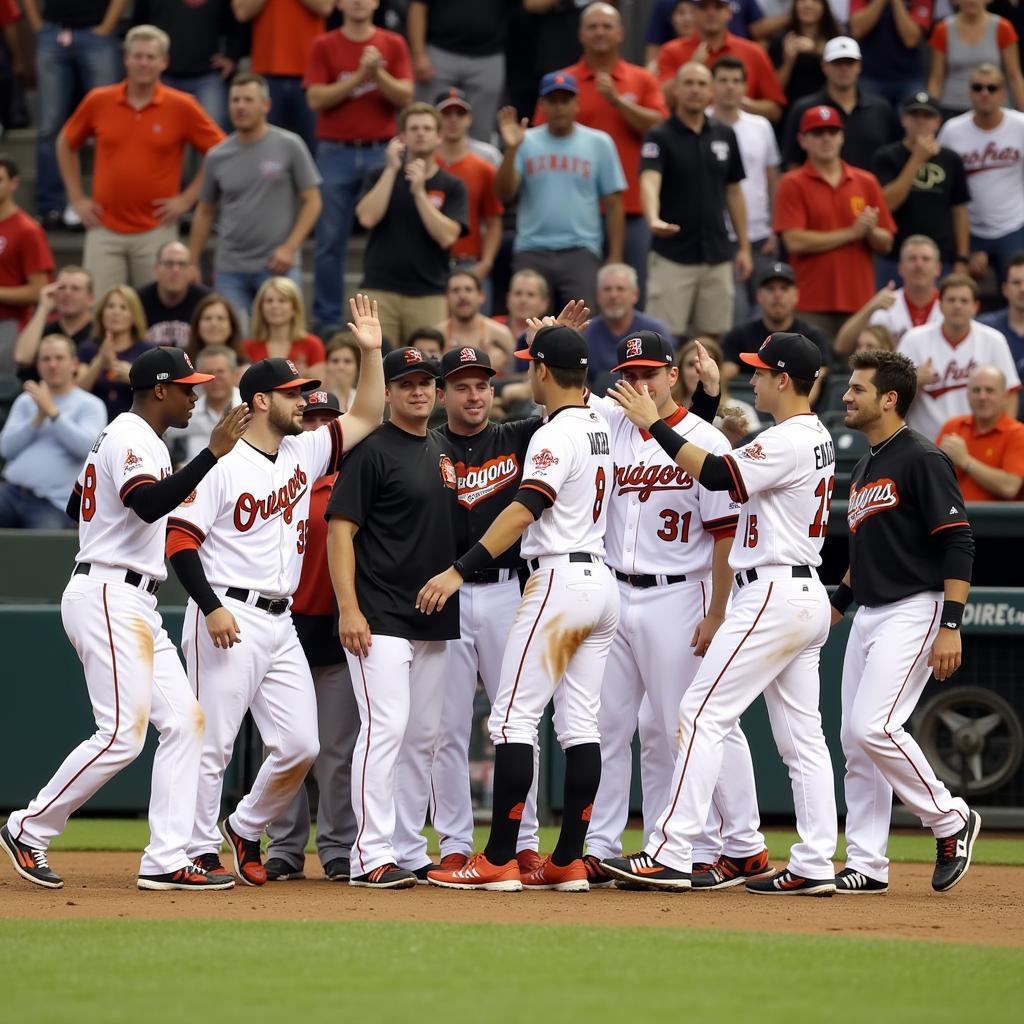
x=668, y=543
x=392, y=515
x=315, y=618
x=121, y=501
x=776, y=628
x=911, y=554
x=236, y=544
x=564, y=626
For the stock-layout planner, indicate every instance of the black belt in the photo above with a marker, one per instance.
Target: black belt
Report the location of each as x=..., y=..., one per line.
x=361, y=143
x=576, y=556
x=647, y=581
x=272, y=605
x=491, y=576
x=131, y=577
x=750, y=575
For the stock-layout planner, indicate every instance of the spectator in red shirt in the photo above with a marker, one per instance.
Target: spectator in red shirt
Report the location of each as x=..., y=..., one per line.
x=278, y=327
x=26, y=264
x=356, y=79
x=711, y=41
x=832, y=218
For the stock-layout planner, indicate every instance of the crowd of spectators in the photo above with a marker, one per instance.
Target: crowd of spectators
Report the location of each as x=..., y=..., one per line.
x=849, y=169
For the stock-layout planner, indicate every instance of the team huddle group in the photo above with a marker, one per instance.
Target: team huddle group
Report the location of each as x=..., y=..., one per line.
x=666, y=579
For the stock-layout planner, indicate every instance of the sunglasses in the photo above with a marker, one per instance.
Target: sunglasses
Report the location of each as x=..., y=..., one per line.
x=985, y=87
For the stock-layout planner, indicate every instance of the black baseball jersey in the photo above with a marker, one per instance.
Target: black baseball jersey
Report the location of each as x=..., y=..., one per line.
x=905, y=510
x=400, y=489
x=489, y=467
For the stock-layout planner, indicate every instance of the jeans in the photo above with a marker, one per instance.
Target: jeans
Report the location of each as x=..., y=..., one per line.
x=1000, y=250
x=210, y=90
x=895, y=90
x=239, y=287
x=634, y=251
x=21, y=509
x=343, y=168
x=90, y=60
x=289, y=109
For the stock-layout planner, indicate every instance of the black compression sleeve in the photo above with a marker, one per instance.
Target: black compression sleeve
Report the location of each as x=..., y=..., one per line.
x=958, y=553
x=715, y=474
x=533, y=500
x=189, y=569
x=151, y=501
x=704, y=405
x=74, y=506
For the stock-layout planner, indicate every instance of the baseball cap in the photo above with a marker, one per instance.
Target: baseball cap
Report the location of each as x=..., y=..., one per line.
x=466, y=358
x=921, y=101
x=320, y=399
x=841, y=48
x=402, y=361
x=821, y=116
x=452, y=98
x=644, y=348
x=792, y=353
x=777, y=272
x=164, y=365
x=558, y=81
x=557, y=346
x=272, y=375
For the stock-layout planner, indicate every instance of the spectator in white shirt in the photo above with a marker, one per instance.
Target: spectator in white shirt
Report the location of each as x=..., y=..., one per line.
x=215, y=398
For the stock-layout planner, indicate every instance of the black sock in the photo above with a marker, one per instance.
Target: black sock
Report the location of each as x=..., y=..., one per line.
x=513, y=776
x=582, y=776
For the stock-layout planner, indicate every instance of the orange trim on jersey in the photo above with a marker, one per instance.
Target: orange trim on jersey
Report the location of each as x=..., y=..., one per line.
x=179, y=540
x=526, y=647
x=186, y=527
x=539, y=486
x=337, y=445
x=739, y=491
x=947, y=526
x=130, y=485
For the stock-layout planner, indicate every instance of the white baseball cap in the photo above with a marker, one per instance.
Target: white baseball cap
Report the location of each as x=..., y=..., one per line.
x=841, y=48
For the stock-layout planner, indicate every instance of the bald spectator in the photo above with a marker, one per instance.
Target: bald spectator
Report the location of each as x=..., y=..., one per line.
x=65, y=307
x=170, y=299
x=987, y=445
x=141, y=129
x=465, y=323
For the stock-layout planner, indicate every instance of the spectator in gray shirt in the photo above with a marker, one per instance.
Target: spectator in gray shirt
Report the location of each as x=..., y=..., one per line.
x=266, y=186
x=215, y=398
x=50, y=430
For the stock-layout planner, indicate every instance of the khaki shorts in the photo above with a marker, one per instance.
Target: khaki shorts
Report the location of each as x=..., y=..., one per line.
x=400, y=315
x=690, y=297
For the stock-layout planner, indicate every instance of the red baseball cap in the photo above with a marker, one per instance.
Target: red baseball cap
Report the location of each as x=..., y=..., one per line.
x=822, y=116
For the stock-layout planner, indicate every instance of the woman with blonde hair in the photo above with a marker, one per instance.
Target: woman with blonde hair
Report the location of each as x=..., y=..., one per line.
x=875, y=336
x=215, y=322
x=119, y=338
x=278, y=328
x=735, y=419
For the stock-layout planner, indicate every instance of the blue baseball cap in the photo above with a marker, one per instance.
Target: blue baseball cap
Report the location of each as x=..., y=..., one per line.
x=558, y=81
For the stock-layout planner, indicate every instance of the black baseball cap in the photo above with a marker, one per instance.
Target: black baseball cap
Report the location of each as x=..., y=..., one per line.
x=644, y=348
x=777, y=272
x=466, y=358
x=164, y=365
x=320, y=399
x=273, y=375
x=451, y=98
x=791, y=353
x=922, y=101
x=402, y=361
x=557, y=346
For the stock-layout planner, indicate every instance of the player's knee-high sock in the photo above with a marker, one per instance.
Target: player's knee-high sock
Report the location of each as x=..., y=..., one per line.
x=582, y=776
x=513, y=776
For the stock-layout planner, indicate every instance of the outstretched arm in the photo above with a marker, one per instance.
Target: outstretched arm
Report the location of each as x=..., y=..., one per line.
x=368, y=404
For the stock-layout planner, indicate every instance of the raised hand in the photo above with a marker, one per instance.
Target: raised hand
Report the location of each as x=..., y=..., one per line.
x=707, y=370
x=512, y=127
x=416, y=175
x=575, y=314
x=229, y=429
x=395, y=154
x=638, y=406
x=534, y=324
x=365, y=325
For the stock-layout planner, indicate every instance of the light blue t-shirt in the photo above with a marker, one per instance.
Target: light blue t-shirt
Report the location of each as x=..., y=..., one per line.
x=563, y=180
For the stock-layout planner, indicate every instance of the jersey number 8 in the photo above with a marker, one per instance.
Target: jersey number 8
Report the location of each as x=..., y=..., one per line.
x=600, y=483
x=88, y=508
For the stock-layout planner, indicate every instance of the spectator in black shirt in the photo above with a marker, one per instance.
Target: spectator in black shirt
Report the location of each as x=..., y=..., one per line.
x=690, y=174
x=925, y=188
x=414, y=212
x=868, y=121
x=170, y=300
x=796, y=51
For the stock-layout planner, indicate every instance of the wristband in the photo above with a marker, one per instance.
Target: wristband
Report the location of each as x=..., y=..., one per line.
x=667, y=438
x=842, y=598
x=962, y=258
x=952, y=614
x=475, y=559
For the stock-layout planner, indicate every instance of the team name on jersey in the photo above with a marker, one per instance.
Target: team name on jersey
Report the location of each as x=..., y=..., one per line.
x=824, y=455
x=952, y=378
x=477, y=483
x=989, y=158
x=645, y=480
x=599, y=444
x=876, y=496
x=249, y=508
x=558, y=162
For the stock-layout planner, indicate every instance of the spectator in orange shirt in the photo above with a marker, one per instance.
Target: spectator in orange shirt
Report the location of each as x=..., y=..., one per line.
x=711, y=41
x=278, y=327
x=625, y=101
x=282, y=34
x=141, y=128
x=987, y=447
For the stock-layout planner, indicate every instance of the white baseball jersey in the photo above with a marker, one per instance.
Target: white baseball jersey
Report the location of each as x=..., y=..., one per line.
x=250, y=514
x=898, y=318
x=126, y=455
x=569, y=461
x=785, y=478
x=947, y=397
x=660, y=519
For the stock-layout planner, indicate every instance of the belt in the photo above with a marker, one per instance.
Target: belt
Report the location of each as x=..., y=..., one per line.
x=361, y=143
x=491, y=576
x=130, y=576
x=534, y=564
x=648, y=581
x=271, y=605
x=774, y=572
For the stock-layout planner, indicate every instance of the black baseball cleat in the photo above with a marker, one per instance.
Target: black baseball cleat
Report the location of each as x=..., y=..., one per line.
x=279, y=870
x=387, y=876
x=421, y=873
x=210, y=863
x=337, y=869
x=850, y=882
x=596, y=874
x=642, y=871
x=246, y=855
x=953, y=854
x=30, y=863
x=187, y=879
x=727, y=872
x=785, y=883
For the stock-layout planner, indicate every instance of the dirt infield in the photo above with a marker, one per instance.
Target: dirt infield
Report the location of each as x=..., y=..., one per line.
x=986, y=909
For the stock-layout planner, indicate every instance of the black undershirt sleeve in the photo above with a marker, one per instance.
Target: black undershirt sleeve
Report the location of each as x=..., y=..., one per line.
x=151, y=501
x=715, y=474
x=188, y=567
x=74, y=506
x=958, y=553
x=704, y=405
x=533, y=500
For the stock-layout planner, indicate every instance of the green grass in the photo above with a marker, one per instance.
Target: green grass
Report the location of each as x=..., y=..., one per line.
x=119, y=971
x=132, y=834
